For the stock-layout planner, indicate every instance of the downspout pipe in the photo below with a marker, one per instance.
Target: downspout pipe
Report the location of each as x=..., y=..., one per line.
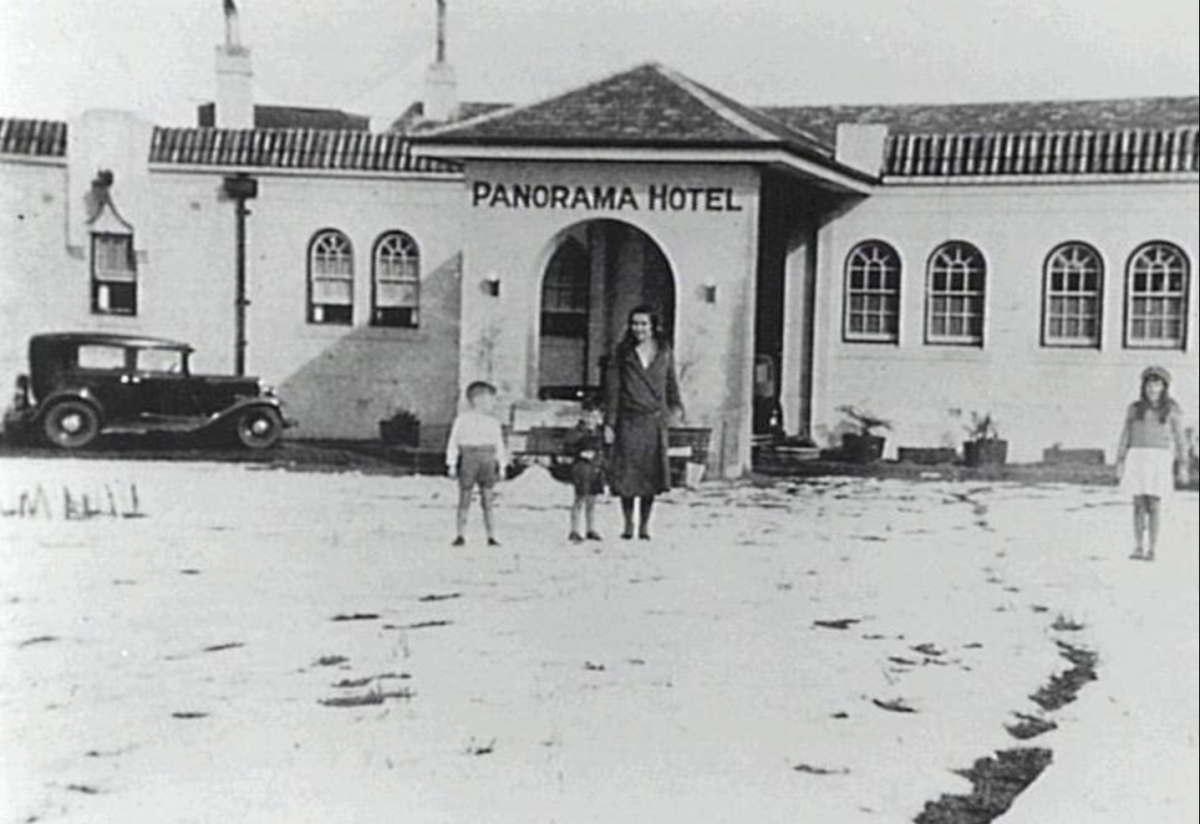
x=240, y=188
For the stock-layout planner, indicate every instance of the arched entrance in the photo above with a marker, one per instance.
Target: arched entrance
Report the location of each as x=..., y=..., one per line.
x=596, y=272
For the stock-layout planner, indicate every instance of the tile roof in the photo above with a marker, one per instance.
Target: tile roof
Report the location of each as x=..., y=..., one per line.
x=291, y=149
x=653, y=105
x=649, y=105
x=292, y=117
x=300, y=117
x=1130, y=151
x=33, y=138
x=1029, y=116
x=413, y=121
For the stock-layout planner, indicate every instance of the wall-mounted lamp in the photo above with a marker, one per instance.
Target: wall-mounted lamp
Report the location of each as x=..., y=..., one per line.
x=708, y=291
x=491, y=284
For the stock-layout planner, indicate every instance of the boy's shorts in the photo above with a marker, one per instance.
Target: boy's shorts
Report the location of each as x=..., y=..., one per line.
x=587, y=477
x=477, y=466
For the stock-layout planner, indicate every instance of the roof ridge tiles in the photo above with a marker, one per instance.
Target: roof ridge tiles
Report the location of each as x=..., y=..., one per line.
x=710, y=100
x=517, y=108
x=726, y=107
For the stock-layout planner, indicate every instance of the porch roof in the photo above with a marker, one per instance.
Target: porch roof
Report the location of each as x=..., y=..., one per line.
x=647, y=107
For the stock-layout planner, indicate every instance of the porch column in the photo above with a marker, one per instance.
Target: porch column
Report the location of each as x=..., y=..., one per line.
x=599, y=300
x=796, y=371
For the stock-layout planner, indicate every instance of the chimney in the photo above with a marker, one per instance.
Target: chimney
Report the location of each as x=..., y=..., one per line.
x=441, y=85
x=861, y=146
x=235, y=77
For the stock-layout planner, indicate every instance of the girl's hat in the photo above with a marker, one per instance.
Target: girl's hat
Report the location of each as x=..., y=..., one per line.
x=1156, y=373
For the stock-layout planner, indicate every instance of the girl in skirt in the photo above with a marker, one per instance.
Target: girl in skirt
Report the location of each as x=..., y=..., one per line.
x=1152, y=452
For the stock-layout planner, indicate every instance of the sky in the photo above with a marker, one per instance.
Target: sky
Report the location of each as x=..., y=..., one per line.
x=58, y=57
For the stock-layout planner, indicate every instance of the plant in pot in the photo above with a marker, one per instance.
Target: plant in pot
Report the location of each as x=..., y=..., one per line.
x=863, y=446
x=401, y=429
x=986, y=447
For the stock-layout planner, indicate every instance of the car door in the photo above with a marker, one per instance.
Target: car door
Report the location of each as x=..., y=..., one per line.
x=166, y=395
x=105, y=371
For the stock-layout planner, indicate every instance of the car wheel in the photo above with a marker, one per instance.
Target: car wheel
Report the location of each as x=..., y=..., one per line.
x=259, y=428
x=71, y=424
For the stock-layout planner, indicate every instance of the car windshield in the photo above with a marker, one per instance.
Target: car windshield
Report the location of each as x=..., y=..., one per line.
x=170, y=361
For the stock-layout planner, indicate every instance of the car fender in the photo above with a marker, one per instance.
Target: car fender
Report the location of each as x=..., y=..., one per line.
x=242, y=405
x=86, y=395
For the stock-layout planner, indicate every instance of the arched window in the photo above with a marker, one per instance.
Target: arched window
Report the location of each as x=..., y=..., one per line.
x=1074, y=285
x=396, y=281
x=330, y=278
x=1156, y=294
x=872, y=311
x=565, y=297
x=956, y=295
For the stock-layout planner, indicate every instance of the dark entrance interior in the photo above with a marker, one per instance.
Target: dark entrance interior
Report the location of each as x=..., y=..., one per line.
x=597, y=272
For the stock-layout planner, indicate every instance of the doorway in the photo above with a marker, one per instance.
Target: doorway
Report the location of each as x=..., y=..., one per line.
x=597, y=271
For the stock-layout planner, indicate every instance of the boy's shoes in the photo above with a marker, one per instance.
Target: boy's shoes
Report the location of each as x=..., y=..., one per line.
x=459, y=541
x=627, y=534
x=593, y=535
x=644, y=534
x=493, y=542
x=575, y=538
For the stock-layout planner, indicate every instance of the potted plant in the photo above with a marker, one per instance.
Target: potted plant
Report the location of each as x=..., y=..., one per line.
x=986, y=447
x=863, y=446
x=401, y=429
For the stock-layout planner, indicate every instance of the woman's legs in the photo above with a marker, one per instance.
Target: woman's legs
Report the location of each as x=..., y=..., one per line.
x=644, y=516
x=627, y=510
x=645, y=506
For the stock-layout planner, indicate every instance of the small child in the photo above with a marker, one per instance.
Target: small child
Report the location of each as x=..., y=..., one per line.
x=586, y=444
x=475, y=454
x=1151, y=441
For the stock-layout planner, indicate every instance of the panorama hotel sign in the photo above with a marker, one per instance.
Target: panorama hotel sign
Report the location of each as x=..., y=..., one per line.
x=651, y=198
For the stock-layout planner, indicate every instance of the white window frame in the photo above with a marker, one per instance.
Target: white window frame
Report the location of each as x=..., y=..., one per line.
x=867, y=260
x=960, y=262
x=1169, y=273
x=396, y=264
x=330, y=263
x=1068, y=298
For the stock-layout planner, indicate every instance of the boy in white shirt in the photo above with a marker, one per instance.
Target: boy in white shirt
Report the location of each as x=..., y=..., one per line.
x=475, y=454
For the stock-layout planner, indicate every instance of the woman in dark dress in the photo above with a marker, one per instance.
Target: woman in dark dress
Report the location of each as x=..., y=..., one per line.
x=641, y=397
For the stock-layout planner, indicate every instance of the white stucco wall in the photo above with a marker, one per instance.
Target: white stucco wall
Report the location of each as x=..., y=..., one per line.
x=38, y=279
x=1042, y=396
x=714, y=348
x=338, y=381
x=341, y=380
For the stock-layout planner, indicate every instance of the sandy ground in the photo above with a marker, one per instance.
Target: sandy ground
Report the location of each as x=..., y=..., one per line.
x=173, y=667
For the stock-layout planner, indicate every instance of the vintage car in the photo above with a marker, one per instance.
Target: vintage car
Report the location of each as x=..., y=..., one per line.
x=82, y=385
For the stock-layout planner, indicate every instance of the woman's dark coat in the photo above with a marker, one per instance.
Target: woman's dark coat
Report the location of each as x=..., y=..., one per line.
x=639, y=402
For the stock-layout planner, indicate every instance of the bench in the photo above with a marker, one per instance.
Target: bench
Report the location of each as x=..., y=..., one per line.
x=546, y=445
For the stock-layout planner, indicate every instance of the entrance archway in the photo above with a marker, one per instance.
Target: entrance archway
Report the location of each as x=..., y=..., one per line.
x=596, y=272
